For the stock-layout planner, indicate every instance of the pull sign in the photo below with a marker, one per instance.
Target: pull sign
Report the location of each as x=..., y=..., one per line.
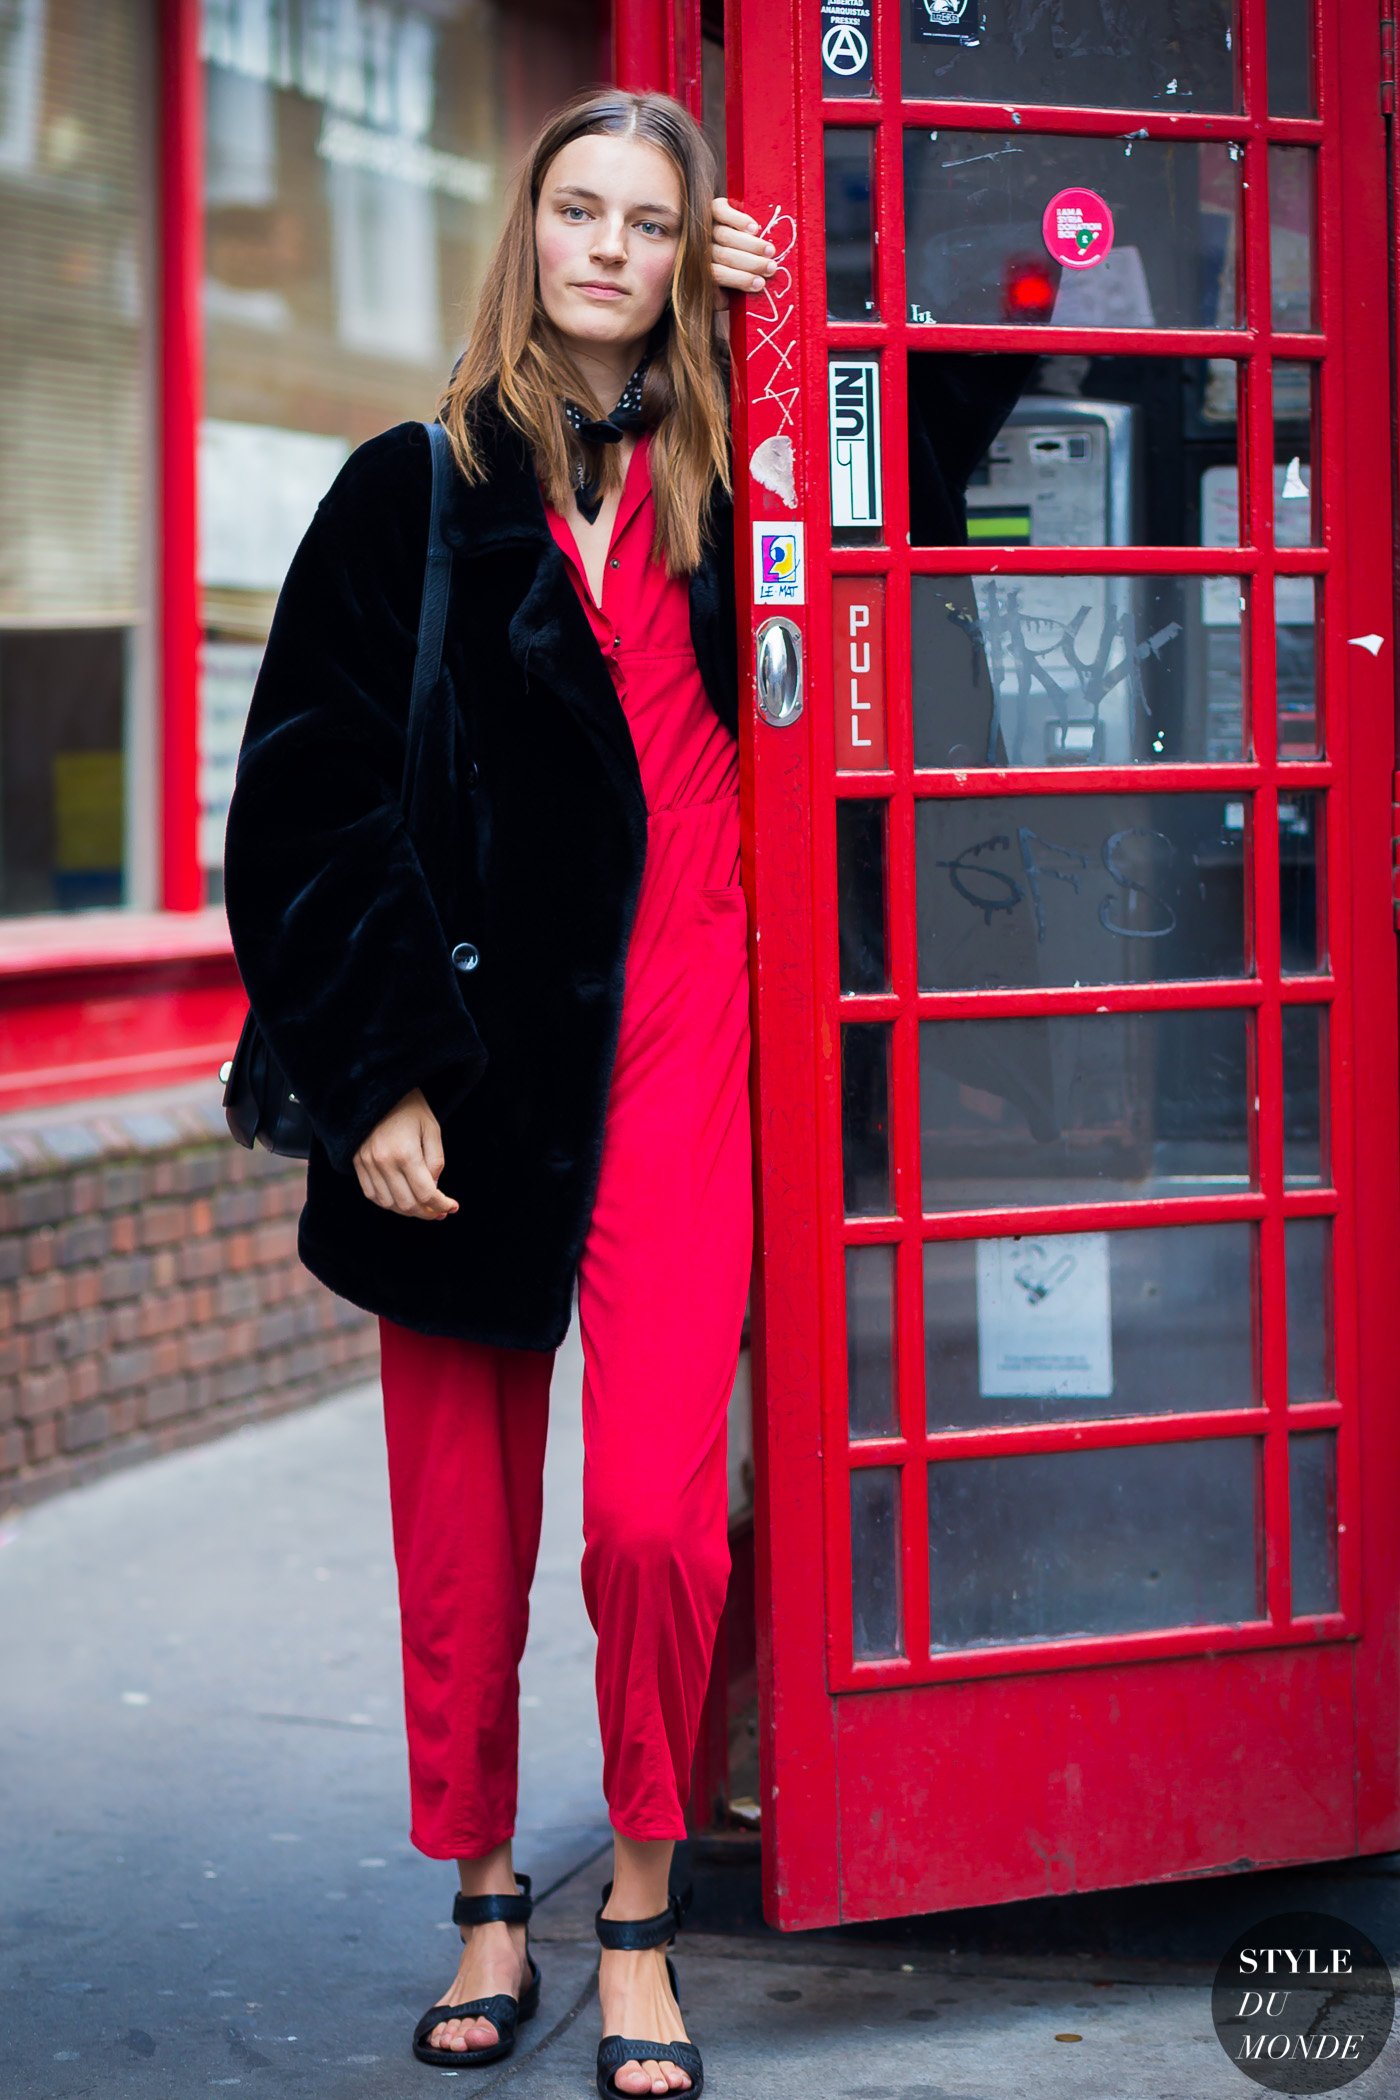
x=858, y=639
x=853, y=397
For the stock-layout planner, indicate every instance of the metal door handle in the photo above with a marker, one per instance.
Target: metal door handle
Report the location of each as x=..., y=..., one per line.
x=778, y=672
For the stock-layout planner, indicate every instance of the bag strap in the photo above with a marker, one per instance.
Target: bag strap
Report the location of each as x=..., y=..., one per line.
x=432, y=618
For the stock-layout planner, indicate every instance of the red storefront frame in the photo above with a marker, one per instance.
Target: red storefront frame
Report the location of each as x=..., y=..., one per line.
x=936, y=1779
x=107, y=1003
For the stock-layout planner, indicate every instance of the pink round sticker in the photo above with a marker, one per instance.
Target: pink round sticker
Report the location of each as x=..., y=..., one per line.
x=1078, y=228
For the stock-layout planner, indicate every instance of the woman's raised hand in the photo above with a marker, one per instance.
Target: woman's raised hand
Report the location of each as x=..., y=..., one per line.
x=740, y=258
x=399, y=1162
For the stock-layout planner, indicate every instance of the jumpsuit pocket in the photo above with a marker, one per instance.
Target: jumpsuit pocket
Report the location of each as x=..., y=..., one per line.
x=731, y=894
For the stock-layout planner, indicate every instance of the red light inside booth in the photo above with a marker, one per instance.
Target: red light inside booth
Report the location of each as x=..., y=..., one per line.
x=1029, y=293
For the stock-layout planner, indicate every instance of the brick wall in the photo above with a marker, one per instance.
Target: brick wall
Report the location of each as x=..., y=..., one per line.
x=150, y=1292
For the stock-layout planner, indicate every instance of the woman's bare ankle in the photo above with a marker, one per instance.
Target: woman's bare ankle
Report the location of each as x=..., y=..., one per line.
x=641, y=1877
x=490, y=1874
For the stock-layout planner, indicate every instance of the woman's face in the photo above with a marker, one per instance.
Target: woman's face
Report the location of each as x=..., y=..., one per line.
x=607, y=228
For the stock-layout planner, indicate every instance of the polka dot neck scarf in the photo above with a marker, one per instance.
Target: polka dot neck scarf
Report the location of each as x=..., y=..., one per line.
x=604, y=430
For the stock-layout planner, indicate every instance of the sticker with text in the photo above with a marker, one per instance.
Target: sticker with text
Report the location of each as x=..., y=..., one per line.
x=1078, y=228
x=778, y=573
x=853, y=409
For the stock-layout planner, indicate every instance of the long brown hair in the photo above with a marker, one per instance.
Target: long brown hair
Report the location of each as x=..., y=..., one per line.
x=514, y=346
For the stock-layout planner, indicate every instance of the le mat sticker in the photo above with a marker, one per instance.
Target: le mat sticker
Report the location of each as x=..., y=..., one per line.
x=779, y=566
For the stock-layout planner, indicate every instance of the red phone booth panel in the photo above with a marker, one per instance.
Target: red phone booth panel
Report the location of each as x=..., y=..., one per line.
x=1061, y=461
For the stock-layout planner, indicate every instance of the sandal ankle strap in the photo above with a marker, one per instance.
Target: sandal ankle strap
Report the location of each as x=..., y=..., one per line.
x=632, y=1935
x=488, y=1910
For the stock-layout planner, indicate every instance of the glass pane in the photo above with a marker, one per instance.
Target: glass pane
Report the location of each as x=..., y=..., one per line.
x=1097, y=57
x=355, y=171
x=1297, y=508
x=860, y=889
x=870, y=1375
x=850, y=289
x=1297, y=629
x=1312, y=1513
x=847, y=51
x=876, y=1608
x=1304, y=1064
x=1291, y=92
x=1037, y=1547
x=1075, y=670
x=1308, y=1254
x=865, y=1119
x=1077, y=889
x=1073, y=451
x=1089, y=1324
x=1014, y=449
x=1299, y=849
x=1083, y=1108
x=977, y=205
x=78, y=454
x=1292, y=216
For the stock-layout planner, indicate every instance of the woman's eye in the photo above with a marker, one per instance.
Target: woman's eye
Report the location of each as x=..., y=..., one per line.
x=571, y=208
x=654, y=226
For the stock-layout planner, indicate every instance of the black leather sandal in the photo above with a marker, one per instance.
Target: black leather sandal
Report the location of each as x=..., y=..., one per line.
x=615, y=2050
x=504, y=2012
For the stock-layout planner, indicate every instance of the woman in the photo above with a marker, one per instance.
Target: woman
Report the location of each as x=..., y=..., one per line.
x=521, y=1011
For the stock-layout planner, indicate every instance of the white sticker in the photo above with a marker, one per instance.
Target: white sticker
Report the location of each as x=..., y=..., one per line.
x=853, y=408
x=1044, y=1324
x=773, y=466
x=1221, y=603
x=779, y=571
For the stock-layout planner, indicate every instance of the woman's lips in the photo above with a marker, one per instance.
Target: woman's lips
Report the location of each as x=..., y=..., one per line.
x=601, y=291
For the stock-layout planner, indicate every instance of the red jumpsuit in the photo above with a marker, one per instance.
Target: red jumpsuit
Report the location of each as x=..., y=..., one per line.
x=662, y=1282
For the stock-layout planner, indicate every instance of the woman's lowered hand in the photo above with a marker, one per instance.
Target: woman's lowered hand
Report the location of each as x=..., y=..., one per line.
x=740, y=258
x=398, y=1164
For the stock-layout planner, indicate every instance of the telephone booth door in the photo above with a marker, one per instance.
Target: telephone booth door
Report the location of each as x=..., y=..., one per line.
x=1063, y=444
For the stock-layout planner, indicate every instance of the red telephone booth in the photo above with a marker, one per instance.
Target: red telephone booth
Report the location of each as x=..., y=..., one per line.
x=1063, y=453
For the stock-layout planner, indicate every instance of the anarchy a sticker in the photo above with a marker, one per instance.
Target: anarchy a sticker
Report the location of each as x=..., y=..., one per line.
x=846, y=35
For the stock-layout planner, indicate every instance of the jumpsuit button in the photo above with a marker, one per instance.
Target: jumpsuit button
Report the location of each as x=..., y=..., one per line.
x=615, y=563
x=465, y=956
x=617, y=641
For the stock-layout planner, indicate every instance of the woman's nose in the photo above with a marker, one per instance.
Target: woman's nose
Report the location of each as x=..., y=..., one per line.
x=608, y=241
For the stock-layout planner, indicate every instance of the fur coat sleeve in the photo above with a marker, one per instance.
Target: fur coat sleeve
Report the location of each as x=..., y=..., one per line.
x=320, y=873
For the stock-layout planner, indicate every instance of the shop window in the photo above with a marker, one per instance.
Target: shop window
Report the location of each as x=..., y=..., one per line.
x=357, y=160
x=76, y=451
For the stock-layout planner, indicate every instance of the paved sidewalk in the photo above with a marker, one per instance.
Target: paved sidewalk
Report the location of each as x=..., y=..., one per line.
x=207, y=1884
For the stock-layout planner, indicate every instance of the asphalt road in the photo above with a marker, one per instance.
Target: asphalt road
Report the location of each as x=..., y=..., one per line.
x=206, y=1882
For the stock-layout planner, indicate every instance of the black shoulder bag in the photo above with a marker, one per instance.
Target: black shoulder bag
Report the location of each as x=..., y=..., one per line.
x=259, y=1105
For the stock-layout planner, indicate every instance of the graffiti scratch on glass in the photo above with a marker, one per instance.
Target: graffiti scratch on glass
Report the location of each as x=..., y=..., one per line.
x=992, y=889
x=1026, y=652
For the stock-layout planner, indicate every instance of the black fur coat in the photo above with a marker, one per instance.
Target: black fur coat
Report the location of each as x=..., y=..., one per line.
x=524, y=848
